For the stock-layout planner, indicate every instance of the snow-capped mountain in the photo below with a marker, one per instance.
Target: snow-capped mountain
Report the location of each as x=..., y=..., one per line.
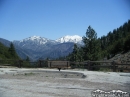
x=36, y=40
x=34, y=43
x=39, y=47
x=68, y=38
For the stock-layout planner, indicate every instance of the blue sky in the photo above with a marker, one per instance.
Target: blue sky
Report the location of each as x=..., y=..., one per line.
x=53, y=19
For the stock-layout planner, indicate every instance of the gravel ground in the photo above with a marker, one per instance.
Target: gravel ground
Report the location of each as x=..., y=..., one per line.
x=15, y=82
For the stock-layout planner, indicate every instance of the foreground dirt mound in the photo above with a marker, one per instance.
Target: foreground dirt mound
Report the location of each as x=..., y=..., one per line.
x=52, y=74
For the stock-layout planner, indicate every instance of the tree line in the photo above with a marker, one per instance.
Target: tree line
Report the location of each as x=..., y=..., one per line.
x=94, y=48
x=8, y=52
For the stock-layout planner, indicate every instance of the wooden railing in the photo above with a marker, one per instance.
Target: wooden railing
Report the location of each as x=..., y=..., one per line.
x=114, y=66
x=23, y=63
x=90, y=65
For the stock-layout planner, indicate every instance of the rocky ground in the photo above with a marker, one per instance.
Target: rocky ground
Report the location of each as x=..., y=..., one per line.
x=122, y=58
x=15, y=82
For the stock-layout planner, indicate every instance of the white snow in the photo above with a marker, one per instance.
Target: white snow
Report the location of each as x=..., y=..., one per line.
x=68, y=38
x=42, y=40
x=36, y=39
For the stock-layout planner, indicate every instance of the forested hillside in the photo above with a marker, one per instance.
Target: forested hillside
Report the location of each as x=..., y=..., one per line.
x=116, y=41
x=8, y=52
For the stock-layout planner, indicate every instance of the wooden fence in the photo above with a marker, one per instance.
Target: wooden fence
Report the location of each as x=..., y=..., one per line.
x=58, y=64
x=22, y=63
x=90, y=65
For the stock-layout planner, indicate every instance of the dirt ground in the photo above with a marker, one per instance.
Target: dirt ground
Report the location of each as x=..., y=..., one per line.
x=15, y=82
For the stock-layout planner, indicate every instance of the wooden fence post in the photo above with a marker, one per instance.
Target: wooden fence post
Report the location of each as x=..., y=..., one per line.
x=88, y=65
x=114, y=66
x=20, y=63
x=40, y=63
x=50, y=64
x=67, y=64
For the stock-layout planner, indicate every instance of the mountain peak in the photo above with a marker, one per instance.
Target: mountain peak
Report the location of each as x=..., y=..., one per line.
x=34, y=37
x=69, y=38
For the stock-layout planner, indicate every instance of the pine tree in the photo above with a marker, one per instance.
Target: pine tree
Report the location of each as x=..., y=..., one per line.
x=92, y=45
x=127, y=44
x=27, y=59
x=74, y=55
x=80, y=54
x=12, y=51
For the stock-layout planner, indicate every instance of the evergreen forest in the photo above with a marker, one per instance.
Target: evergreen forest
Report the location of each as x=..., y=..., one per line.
x=94, y=48
x=8, y=52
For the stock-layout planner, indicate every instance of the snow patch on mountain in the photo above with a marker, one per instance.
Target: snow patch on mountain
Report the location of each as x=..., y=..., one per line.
x=36, y=39
x=42, y=41
x=68, y=38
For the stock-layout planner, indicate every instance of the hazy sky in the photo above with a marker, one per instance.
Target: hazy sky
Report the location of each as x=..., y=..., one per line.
x=53, y=19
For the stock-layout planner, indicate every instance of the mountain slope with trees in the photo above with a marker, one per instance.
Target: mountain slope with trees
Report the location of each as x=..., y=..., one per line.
x=115, y=42
x=8, y=52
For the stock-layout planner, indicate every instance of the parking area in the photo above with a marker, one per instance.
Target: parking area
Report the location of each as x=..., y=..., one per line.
x=22, y=82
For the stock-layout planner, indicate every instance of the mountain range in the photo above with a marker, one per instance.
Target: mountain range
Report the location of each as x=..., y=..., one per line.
x=37, y=47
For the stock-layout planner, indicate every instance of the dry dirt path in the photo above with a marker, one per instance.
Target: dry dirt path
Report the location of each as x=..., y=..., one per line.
x=15, y=82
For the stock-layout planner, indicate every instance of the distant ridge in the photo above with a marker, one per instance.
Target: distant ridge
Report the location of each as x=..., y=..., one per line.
x=64, y=39
x=37, y=47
